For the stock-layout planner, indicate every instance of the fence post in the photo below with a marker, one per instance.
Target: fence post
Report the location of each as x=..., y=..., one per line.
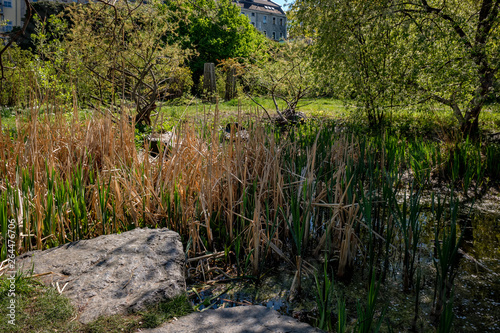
x=209, y=85
x=230, y=84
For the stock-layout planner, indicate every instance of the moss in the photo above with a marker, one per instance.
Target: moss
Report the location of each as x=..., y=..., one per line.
x=111, y=324
x=164, y=311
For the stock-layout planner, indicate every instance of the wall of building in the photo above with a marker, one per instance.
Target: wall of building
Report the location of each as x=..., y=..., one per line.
x=273, y=26
x=12, y=14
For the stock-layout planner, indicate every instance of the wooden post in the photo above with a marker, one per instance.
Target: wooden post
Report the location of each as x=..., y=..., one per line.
x=230, y=84
x=209, y=85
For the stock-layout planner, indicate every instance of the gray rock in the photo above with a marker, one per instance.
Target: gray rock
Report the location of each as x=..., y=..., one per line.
x=158, y=141
x=241, y=319
x=114, y=274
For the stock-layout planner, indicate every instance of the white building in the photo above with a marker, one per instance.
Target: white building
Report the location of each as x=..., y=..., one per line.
x=11, y=14
x=265, y=15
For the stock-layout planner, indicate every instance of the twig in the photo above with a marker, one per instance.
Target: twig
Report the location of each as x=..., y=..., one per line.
x=207, y=256
x=42, y=274
x=245, y=302
x=476, y=262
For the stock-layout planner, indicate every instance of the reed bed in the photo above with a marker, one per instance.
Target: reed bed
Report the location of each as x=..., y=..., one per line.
x=298, y=195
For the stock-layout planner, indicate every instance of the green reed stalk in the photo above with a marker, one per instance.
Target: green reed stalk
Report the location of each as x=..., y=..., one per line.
x=61, y=197
x=447, y=316
x=77, y=204
x=417, y=301
x=367, y=323
x=492, y=166
x=103, y=195
x=446, y=245
x=324, y=295
x=366, y=204
x=342, y=315
x=408, y=219
x=48, y=222
x=272, y=227
x=27, y=193
x=4, y=222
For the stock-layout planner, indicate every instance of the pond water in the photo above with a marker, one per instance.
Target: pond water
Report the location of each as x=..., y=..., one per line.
x=477, y=286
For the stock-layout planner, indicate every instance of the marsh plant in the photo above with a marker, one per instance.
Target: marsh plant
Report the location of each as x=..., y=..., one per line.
x=279, y=197
x=446, y=246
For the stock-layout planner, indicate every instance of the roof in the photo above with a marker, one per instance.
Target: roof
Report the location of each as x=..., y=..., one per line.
x=261, y=6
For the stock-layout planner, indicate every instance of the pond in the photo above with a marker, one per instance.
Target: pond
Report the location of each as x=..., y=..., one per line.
x=477, y=286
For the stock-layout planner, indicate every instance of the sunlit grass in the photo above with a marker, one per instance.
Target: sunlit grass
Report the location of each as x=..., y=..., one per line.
x=43, y=309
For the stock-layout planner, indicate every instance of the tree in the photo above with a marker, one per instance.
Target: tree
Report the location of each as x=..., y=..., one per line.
x=43, y=10
x=120, y=54
x=284, y=73
x=395, y=52
x=216, y=30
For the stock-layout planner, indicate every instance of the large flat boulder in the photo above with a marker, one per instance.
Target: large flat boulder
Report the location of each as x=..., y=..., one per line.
x=113, y=274
x=241, y=319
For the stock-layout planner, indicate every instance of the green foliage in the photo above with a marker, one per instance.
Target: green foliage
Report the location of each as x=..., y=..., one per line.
x=389, y=53
x=44, y=10
x=324, y=301
x=367, y=321
x=285, y=73
x=158, y=314
x=446, y=243
x=217, y=31
x=18, y=75
x=121, y=54
x=53, y=72
x=282, y=69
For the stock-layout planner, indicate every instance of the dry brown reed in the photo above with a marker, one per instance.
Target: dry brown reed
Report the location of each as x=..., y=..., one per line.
x=207, y=190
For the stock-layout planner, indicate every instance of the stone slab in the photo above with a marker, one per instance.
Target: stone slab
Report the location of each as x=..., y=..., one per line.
x=241, y=319
x=113, y=274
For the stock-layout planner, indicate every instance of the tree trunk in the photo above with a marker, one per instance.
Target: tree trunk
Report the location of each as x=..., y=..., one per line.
x=470, y=126
x=209, y=84
x=230, y=84
x=144, y=115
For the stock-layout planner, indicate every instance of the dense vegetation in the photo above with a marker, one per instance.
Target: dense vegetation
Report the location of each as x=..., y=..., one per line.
x=398, y=52
x=377, y=190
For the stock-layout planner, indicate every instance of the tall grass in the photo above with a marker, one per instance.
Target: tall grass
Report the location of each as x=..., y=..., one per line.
x=281, y=196
x=446, y=245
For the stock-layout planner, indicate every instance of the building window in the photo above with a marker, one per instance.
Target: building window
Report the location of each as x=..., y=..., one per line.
x=253, y=23
x=265, y=33
x=7, y=4
x=281, y=21
x=274, y=35
x=264, y=19
x=8, y=27
x=281, y=35
x=274, y=20
x=253, y=14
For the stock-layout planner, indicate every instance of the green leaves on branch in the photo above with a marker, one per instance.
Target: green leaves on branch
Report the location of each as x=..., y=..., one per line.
x=386, y=54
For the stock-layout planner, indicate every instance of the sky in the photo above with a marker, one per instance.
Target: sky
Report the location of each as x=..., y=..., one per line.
x=281, y=2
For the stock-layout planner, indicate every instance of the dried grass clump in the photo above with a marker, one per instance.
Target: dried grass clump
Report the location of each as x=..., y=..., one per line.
x=68, y=180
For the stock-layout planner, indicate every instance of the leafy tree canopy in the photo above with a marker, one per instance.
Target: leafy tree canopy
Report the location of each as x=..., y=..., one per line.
x=393, y=52
x=216, y=30
x=43, y=11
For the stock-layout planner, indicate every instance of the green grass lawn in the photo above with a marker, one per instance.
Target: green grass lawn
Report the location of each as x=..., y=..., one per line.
x=415, y=120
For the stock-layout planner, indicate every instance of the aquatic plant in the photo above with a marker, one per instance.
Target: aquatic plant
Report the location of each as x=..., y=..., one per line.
x=367, y=321
x=446, y=245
